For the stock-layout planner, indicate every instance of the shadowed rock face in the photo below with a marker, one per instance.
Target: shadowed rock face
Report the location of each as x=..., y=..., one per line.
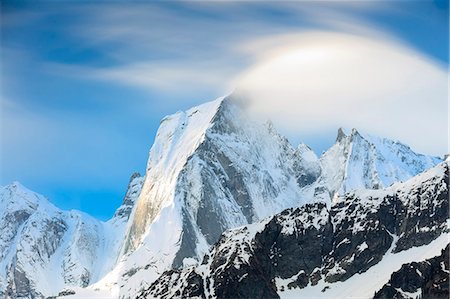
x=20, y=286
x=188, y=241
x=430, y=278
x=214, y=186
x=218, y=171
x=314, y=243
x=358, y=161
x=282, y=253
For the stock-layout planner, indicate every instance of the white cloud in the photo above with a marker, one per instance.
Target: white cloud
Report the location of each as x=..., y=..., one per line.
x=317, y=81
x=173, y=79
x=306, y=81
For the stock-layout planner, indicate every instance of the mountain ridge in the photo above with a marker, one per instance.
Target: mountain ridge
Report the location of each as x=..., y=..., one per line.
x=225, y=158
x=211, y=168
x=317, y=252
x=214, y=168
x=44, y=249
x=358, y=161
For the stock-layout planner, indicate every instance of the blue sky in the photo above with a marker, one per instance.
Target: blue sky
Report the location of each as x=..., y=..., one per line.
x=84, y=85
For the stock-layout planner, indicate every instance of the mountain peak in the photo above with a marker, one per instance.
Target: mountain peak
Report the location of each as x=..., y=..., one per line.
x=354, y=132
x=211, y=168
x=133, y=176
x=178, y=136
x=133, y=191
x=340, y=135
x=303, y=147
x=363, y=161
x=16, y=185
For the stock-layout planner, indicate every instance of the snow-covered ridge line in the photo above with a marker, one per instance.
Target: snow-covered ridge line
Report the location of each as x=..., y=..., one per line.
x=361, y=161
x=365, y=285
x=211, y=168
x=44, y=249
x=177, y=138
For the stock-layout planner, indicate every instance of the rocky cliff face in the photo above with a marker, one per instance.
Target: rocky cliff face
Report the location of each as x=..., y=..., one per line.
x=242, y=172
x=427, y=279
x=322, y=252
x=44, y=250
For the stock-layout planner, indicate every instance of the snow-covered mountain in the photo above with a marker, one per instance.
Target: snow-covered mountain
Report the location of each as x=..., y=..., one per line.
x=348, y=250
x=211, y=168
x=358, y=161
x=44, y=250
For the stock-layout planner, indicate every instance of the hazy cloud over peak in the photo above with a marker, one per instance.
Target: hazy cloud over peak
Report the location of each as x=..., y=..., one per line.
x=325, y=80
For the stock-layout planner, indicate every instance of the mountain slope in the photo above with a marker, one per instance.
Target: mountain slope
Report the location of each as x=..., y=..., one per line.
x=44, y=250
x=314, y=251
x=359, y=161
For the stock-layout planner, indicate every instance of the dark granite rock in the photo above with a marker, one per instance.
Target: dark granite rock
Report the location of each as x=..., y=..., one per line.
x=430, y=278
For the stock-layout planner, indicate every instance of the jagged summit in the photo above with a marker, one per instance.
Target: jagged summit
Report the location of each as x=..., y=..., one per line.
x=358, y=161
x=340, y=135
x=16, y=196
x=302, y=147
x=210, y=169
x=17, y=188
x=177, y=137
x=133, y=190
x=134, y=176
x=14, y=184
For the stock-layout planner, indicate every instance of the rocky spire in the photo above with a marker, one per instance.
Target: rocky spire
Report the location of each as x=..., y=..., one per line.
x=133, y=192
x=340, y=135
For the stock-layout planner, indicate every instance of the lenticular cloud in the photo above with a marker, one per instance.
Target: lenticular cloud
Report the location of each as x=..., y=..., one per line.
x=326, y=80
